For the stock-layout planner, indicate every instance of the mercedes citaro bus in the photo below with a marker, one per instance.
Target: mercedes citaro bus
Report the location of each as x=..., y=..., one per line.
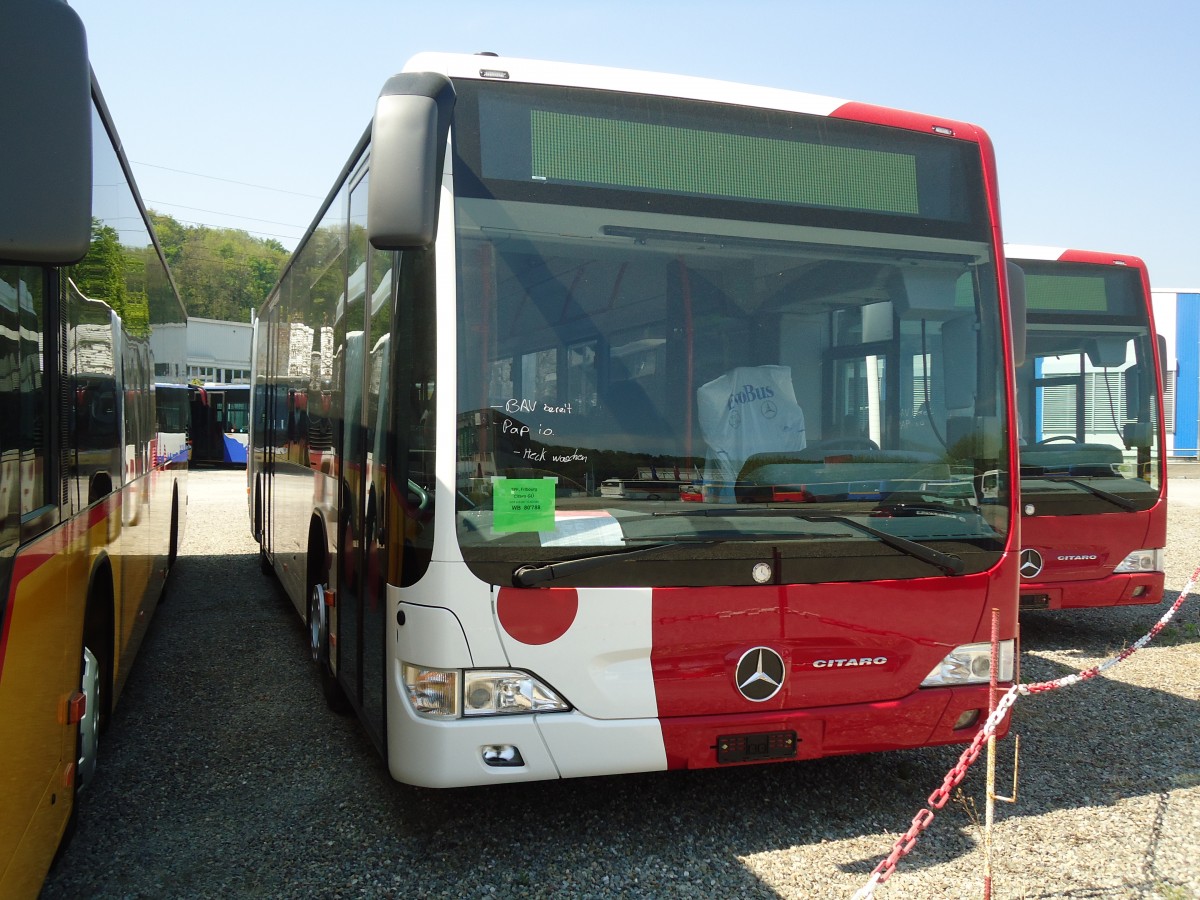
x=532, y=276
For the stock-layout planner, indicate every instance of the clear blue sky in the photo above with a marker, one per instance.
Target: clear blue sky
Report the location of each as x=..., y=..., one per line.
x=1093, y=105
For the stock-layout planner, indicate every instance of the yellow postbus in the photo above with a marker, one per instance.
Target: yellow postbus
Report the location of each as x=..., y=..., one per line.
x=91, y=514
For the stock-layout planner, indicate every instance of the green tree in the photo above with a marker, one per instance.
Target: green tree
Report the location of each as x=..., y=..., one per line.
x=221, y=273
x=101, y=274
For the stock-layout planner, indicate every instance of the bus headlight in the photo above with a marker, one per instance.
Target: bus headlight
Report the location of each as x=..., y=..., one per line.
x=971, y=664
x=487, y=692
x=1142, y=561
x=432, y=692
x=450, y=693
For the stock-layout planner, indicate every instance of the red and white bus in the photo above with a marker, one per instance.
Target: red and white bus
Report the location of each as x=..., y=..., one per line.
x=90, y=521
x=1093, y=470
x=532, y=275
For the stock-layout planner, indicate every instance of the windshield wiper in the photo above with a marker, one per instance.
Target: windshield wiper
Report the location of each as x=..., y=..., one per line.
x=1115, y=499
x=951, y=565
x=912, y=509
x=528, y=576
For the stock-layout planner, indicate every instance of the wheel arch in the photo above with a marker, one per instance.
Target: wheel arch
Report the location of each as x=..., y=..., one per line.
x=100, y=628
x=173, y=546
x=320, y=553
x=257, y=520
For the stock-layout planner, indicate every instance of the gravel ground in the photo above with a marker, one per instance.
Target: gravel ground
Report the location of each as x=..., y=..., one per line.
x=224, y=775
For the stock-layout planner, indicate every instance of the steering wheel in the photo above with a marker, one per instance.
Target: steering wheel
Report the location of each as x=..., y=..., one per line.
x=1060, y=438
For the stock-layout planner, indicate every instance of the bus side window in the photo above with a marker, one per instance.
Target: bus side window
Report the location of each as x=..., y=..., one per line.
x=31, y=383
x=10, y=399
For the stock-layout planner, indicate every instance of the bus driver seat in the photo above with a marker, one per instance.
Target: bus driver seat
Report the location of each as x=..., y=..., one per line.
x=748, y=410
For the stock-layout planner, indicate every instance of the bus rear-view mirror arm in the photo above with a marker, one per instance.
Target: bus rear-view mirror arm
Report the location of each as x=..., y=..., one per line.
x=1017, y=311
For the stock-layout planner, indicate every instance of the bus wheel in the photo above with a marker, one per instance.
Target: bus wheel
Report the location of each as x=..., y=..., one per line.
x=98, y=642
x=88, y=743
x=93, y=672
x=318, y=642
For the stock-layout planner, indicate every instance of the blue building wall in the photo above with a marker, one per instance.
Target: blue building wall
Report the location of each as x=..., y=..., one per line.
x=1187, y=379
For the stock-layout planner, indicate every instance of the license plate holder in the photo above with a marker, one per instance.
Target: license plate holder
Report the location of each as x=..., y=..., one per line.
x=734, y=748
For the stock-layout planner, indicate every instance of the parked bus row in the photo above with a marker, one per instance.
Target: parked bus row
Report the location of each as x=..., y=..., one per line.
x=747, y=422
x=92, y=496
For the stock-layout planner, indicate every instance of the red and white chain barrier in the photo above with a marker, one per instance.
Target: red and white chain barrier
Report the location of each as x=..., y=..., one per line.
x=922, y=820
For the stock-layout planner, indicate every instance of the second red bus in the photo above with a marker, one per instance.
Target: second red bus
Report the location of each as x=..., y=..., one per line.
x=1093, y=471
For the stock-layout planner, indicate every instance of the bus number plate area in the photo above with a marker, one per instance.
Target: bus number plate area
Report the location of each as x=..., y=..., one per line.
x=734, y=748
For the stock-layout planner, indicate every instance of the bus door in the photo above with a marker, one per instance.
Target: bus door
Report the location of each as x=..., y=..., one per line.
x=363, y=519
x=857, y=398
x=858, y=402
x=267, y=416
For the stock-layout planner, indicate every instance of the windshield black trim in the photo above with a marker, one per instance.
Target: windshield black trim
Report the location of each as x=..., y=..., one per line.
x=951, y=565
x=1088, y=500
x=529, y=575
x=1115, y=499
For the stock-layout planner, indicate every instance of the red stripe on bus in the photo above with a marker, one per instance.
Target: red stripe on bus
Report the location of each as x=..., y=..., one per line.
x=44, y=548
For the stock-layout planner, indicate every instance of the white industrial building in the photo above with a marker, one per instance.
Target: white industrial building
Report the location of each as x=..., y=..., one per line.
x=216, y=351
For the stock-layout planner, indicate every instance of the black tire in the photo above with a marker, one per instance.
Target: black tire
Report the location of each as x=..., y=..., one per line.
x=86, y=747
x=318, y=641
x=98, y=637
x=164, y=592
x=95, y=681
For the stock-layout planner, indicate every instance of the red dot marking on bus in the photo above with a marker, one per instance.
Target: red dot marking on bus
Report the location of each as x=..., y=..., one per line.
x=537, y=617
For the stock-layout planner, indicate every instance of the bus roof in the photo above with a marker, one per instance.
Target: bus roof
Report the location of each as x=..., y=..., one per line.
x=1066, y=254
x=514, y=69
x=474, y=66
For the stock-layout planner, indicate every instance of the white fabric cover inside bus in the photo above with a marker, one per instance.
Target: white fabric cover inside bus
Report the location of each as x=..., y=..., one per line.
x=748, y=410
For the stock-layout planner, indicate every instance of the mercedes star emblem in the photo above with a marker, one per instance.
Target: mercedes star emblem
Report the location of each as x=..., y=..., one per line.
x=760, y=674
x=1031, y=563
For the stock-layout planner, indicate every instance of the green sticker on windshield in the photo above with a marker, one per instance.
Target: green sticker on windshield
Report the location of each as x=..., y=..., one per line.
x=523, y=504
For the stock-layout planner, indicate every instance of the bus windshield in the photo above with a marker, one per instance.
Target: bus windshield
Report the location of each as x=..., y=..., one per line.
x=666, y=323
x=1088, y=396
